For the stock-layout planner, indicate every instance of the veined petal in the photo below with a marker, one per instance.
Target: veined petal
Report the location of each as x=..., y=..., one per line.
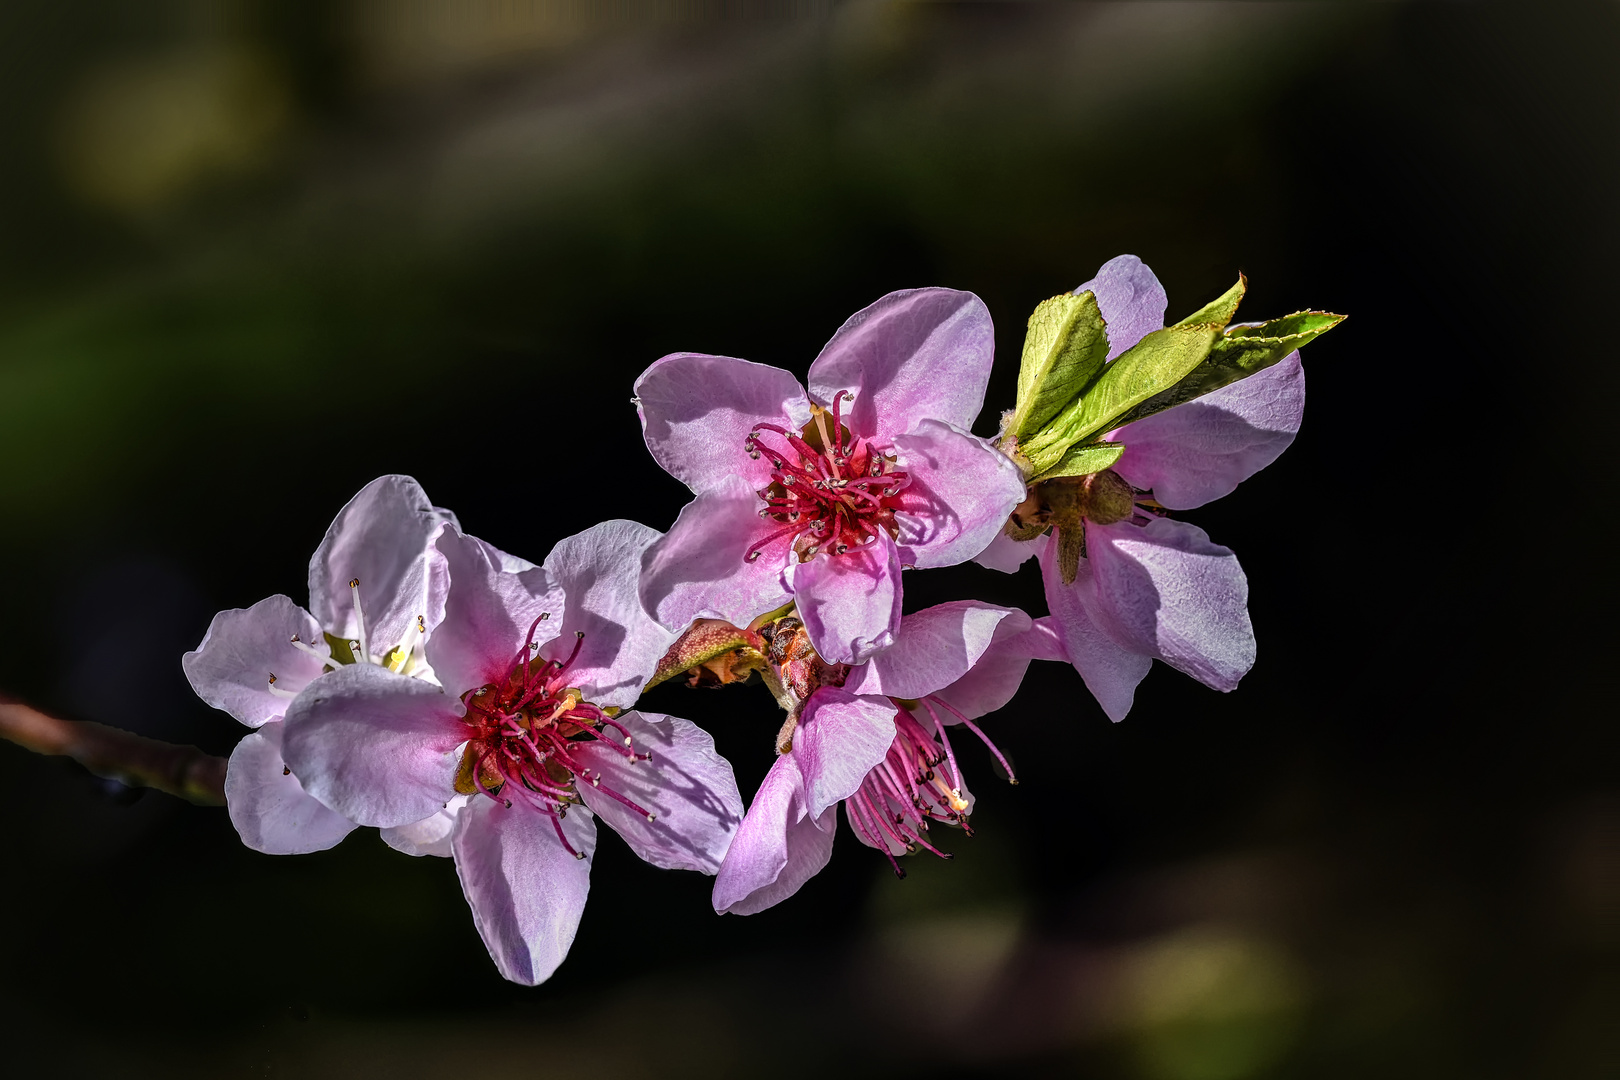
x=777, y=848
x=1197, y=452
x=377, y=747
x=687, y=785
x=269, y=807
x=697, y=411
x=525, y=890
x=1110, y=669
x=840, y=738
x=384, y=539
x=850, y=603
x=913, y=355
x=599, y=573
x=700, y=568
x=1167, y=591
x=243, y=647
x=430, y=836
x=995, y=677
x=1006, y=554
x=1131, y=300
x=933, y=649
x=961, y=491
x=487, y=614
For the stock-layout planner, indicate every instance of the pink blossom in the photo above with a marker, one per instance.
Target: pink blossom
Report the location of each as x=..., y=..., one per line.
x=874, y=738
x=526, y=731
x=822, y=497
x=1151, y=587
x=376, y=591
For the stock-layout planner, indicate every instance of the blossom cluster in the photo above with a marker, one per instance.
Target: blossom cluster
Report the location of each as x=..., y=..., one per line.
x=470, y=704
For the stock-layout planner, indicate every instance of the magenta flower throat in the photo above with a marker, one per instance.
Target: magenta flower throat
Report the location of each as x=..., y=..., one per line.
x=829, y=493
x=526, y=734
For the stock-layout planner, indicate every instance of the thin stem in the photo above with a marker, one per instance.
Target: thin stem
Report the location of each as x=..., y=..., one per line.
x=133, y=759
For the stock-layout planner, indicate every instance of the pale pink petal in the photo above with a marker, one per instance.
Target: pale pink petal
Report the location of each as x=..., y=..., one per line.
x=525, y=890
x=961, y=491
x=840, y=738
x=1006, y=554
x=1111, y=670
x=1131, y=300
x=430, y=836
x=488, y=614
x=1166, y=590
x=384, y=539
x=777, y=848
x=850, y=603
x=687, y=785
x=1197, y=452
x=269, y=807
x=231, y=669
x=599, y=573
x=700, y=568
x=512, y=564
x=914, y=355
x=697, y=412
x=377, y=747
x=999, y=671
x=933, y=649
x=1045, y=641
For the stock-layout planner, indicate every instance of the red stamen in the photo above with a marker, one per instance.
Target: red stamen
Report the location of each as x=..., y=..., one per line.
x=934, y=699
x=526, y=733
x=831, y=499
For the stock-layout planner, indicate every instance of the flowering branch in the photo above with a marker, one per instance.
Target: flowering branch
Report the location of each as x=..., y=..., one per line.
x=119, y=755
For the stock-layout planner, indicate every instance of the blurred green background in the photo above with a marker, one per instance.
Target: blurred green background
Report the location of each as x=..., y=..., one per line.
x=253, y=254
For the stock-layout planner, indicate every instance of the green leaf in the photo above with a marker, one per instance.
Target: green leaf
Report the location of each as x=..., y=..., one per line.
x=1219, y=311
x=1243, y=351
x=1064, y=349
x=1151, y=366
x=1306, y=325
x=1083, y=460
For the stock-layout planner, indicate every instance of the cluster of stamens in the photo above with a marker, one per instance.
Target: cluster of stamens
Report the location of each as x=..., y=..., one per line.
x=400, y=658
x=917, y=783
x=830, y=490
x=526, y=734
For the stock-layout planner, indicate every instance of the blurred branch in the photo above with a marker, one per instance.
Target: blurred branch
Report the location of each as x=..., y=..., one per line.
x=118, y=755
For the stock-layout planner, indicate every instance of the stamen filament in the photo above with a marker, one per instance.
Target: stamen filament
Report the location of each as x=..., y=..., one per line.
x=364, y=655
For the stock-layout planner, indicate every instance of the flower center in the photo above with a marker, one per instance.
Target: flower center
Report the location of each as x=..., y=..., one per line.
x=830, y=489
x=401, y=658
x=917, y=783
x=526, y=734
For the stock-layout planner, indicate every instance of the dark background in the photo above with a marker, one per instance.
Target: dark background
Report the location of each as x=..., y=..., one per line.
x=254, y=254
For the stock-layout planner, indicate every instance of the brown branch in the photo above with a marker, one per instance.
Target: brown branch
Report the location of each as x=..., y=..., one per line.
x=118, y=755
